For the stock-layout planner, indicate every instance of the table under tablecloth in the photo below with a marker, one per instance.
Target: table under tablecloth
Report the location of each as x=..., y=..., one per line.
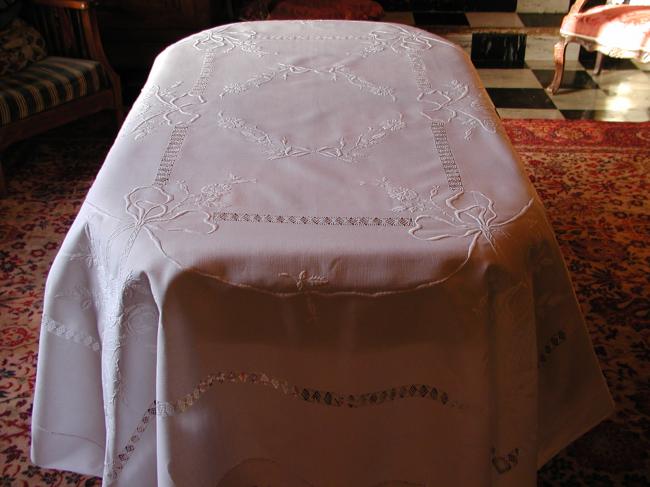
x=312, y=257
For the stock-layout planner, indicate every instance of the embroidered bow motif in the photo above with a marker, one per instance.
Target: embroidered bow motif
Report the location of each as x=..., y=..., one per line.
x=451, y=103
x=475, y=220
x=400, y=39
x=153, y=206
x=167, y=106
x=229, y=39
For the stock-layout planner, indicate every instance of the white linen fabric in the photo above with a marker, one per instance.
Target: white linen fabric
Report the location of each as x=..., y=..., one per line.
x=312, y=258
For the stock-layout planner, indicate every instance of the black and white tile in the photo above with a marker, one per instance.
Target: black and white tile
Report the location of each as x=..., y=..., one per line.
x=511, y=45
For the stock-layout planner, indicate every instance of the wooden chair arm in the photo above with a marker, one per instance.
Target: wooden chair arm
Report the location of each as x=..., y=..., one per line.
x=577, y=6
x=70, y=29
x=71, y=4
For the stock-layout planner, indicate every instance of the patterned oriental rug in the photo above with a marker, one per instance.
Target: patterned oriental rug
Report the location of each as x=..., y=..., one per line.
x=591, y=176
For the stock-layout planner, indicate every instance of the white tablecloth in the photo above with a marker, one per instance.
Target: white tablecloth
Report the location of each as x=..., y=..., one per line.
x=312, y=258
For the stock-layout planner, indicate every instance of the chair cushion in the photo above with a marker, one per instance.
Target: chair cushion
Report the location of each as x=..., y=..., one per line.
x=46, y=84
x=20, y=46
x=615, y=30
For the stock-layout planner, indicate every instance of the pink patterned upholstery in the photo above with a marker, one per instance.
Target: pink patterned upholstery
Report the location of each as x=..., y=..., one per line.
x=615, y=30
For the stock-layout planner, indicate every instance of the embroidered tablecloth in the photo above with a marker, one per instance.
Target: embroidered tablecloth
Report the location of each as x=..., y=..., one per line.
x=312, y=258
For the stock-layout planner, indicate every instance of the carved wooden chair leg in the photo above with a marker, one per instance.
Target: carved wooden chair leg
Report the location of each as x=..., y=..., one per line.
x=599, y=63
x=558, y=57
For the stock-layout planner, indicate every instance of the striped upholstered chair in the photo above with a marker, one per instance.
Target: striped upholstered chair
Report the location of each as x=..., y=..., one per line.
x=73, y=81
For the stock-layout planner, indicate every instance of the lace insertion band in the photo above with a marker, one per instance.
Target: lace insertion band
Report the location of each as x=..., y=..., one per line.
x=168, y=160
x=305, y=394
x=446, y=156
x=67, y=333
x=361, y=221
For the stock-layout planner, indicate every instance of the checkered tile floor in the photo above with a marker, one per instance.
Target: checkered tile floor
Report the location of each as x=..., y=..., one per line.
x=513, y=54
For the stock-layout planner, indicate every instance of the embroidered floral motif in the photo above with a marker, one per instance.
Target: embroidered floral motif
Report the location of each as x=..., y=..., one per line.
x=398, y=39
x=120, y=305
x=304, y=281
x=409, y=199
x=174, y=208
x=333, y=73
x=342, y=151
x=122, y=318
x=452, y=102
x=505, y=463
x=151, y=209
x=227, y=39
x=164, y=106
